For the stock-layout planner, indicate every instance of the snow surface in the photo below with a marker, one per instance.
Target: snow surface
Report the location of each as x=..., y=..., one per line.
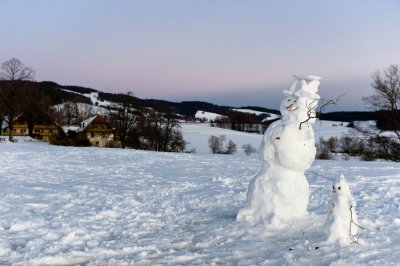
x=98, y=206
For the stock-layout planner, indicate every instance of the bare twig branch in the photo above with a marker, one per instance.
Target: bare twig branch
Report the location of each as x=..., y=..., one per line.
x=311, y=108
x=352, y=237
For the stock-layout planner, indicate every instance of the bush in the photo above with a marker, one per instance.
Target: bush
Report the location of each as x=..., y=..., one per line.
x=351, y=146
x=216, y=145
x=351, y=124
x=231, y=148
x=367, y=149
x=325, y=148
x=248, y=149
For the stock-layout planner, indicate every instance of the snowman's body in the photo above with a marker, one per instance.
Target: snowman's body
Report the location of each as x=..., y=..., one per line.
x=341, y=225
x=280, y=190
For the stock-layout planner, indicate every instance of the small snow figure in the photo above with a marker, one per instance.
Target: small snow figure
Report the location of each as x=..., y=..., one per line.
x=341, y=225
x=279, y=192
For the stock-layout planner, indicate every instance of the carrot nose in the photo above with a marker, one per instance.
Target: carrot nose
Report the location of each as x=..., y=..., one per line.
x=289, y=106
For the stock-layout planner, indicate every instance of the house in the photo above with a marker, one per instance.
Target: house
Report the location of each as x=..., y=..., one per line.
x=44, y=127
x=97, y=130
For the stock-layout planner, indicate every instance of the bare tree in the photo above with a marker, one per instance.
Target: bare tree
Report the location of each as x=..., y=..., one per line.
x=14, y=70
x=57, y=111
x=386, y=99
x=14, y=76
x=230, y=148
x=36, y=105
x=386, y=89
x=85, y=111
x=2, y=114
x=159, y=131
x=123, y=117
x=214, y=143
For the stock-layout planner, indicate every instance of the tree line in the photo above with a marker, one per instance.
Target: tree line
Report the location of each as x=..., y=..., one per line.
x=241, y=121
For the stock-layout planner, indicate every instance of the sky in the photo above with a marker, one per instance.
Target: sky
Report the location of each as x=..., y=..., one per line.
x=227, y=52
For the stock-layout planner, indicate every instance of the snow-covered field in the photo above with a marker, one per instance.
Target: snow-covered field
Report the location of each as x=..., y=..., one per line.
x=93, y=206
x=197, y=134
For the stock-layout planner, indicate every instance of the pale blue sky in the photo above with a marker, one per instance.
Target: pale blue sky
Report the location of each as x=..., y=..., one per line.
x=223, y=51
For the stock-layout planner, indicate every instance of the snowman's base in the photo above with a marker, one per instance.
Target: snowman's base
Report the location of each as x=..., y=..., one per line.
x=276, y=195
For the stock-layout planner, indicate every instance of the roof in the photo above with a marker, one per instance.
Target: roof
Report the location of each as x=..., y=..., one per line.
x=84, y=124
x=70, y=128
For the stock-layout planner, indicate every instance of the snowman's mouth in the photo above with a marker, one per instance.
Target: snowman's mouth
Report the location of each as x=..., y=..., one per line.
x=290, y=106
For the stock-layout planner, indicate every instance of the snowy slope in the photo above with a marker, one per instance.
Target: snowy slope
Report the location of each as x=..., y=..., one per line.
x=271, y=116
x=85, y=108
x=208, y=116
x=92, y=206
x=94, y=98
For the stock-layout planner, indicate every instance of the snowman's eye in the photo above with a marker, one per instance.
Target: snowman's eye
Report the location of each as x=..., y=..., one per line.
x=333, y=187
x=338, y=188
x=289, y=100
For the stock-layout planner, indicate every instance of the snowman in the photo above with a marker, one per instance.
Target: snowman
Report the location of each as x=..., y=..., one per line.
x=279, y=192
x=341, y=225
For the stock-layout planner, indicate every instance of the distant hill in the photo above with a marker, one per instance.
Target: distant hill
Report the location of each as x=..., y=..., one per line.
x=59, y=93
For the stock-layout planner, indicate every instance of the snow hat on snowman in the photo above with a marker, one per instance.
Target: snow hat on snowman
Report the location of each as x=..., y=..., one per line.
x=304, y=87
x=341, y=188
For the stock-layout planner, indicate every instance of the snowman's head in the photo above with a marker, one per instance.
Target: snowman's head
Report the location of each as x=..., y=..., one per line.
x=291, y=107
x=301, y=100
x=340, y=187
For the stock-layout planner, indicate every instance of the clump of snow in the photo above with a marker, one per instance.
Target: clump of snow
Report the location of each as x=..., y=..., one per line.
x=341, y=225
x=279, y=192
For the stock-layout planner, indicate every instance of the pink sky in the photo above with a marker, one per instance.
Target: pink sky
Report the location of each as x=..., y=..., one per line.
x=226, y=52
